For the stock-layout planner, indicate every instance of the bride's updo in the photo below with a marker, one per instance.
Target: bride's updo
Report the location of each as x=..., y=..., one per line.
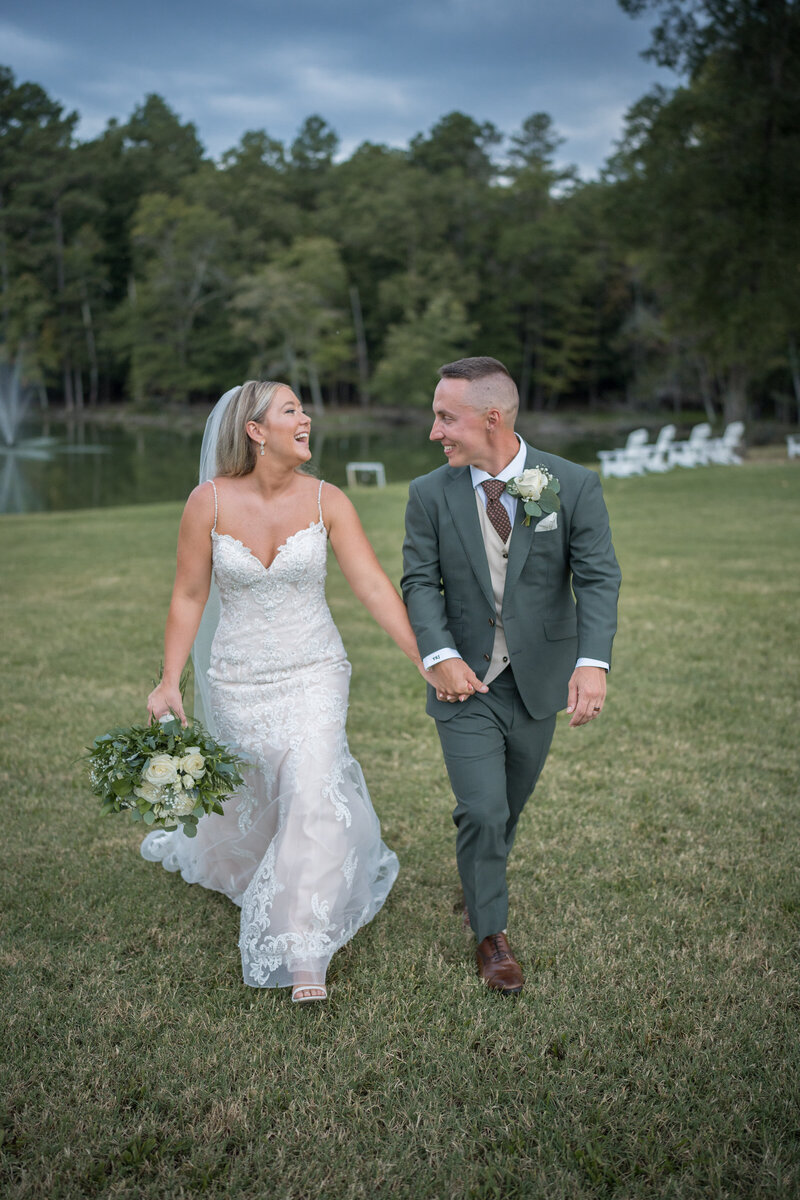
x=236, y=452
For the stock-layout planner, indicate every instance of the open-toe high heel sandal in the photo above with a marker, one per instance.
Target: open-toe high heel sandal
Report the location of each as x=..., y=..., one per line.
x=304, y=993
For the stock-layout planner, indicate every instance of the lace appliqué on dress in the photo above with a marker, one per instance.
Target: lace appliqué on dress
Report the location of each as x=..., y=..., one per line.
x=299, y=848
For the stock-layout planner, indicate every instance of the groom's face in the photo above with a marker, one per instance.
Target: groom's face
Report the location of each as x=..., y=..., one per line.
x=459, y=427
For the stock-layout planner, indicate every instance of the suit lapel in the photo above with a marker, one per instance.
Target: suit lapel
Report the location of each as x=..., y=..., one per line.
x=522, y=536
x=460, y=499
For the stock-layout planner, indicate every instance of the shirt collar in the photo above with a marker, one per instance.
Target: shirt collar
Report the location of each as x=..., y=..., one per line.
x=515, y=467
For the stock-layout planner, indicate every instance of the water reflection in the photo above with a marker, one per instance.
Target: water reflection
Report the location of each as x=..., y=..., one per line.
x=65, y=466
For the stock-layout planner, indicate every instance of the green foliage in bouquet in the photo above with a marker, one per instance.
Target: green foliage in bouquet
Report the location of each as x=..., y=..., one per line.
x=163, y=774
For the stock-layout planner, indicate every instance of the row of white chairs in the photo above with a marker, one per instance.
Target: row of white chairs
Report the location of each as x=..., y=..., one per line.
x=638, y=456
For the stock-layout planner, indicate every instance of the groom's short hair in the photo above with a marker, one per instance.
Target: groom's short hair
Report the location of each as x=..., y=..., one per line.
x=494, y=385
x=473, y=368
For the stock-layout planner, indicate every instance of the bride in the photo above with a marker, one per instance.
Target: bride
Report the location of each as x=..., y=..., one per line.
x=299, y=847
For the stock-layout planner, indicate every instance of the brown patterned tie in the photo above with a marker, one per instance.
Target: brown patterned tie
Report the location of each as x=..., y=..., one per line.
x=494, y=489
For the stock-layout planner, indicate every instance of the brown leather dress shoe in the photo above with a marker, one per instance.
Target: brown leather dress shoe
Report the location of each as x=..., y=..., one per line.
x=497, y=966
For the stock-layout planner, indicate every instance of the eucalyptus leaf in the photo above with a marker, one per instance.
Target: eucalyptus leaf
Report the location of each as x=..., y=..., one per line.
x=190, y=828
x=149, y=817
x=532, y=508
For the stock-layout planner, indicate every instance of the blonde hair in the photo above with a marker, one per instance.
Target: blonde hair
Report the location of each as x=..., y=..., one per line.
x=236, y=451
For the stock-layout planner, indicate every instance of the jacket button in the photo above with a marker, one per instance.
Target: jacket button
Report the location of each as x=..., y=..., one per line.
x=486, y=656
x=504, y=658
x=505, y=554
x=491, y=620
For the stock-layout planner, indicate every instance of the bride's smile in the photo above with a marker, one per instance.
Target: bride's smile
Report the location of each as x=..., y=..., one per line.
x=286, y=428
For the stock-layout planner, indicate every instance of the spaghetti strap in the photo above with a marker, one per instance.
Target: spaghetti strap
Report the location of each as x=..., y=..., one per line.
x=216, y=506
x=319, y=501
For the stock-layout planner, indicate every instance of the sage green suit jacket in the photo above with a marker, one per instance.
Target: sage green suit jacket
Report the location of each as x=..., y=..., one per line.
x=560, y=599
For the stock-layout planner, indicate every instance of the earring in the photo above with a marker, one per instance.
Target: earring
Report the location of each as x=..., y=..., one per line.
x=261, y=451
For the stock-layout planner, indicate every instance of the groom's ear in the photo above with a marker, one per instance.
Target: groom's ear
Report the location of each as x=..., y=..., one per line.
x=494, y=419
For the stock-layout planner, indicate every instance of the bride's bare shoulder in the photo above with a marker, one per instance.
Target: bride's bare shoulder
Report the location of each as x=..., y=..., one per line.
x=201, y=503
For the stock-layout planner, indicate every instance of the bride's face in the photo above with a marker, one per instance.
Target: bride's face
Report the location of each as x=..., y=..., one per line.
x=285, y=427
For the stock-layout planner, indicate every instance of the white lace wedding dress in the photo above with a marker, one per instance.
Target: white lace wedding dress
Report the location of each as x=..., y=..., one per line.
x=299, y=848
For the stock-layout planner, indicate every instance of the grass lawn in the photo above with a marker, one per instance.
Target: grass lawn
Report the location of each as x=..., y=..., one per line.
x=655, y=897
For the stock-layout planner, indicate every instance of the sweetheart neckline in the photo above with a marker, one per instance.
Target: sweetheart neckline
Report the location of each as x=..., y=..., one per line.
x=312, y=525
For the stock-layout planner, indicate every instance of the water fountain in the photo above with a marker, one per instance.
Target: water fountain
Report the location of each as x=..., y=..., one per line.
x=13, y=402
x=16, y=493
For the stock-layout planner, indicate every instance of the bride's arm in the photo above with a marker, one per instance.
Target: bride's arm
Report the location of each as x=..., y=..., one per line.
x=367, y=578
x=189, y=595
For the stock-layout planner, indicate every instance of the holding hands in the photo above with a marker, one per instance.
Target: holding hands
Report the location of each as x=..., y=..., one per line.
x=454, y=680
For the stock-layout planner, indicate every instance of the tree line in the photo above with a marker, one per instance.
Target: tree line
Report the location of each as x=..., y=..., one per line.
x=134, y=268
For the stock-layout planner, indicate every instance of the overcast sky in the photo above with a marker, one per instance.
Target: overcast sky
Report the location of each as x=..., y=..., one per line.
x=376, y=70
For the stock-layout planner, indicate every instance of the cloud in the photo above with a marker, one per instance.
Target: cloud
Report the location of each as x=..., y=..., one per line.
x=27, y=51
x=378, y=72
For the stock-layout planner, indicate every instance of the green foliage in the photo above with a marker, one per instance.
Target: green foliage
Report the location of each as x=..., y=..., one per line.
x=414, y=349
x=163, y=774
x=181, y=251
x=709, y=178
x=134, y=266
x=292, y=313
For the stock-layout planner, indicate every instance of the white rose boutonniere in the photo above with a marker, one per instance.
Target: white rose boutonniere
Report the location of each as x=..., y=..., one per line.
x=538, y=490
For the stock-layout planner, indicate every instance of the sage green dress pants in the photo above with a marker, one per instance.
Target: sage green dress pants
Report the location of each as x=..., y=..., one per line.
x=494, y=752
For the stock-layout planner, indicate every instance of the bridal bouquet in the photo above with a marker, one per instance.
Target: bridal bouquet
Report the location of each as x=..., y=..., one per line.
x=163, y=774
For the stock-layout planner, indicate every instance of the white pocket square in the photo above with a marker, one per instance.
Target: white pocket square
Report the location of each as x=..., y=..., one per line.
x=548, y=522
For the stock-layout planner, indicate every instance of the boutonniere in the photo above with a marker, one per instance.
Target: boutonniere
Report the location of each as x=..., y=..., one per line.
x=538, y=490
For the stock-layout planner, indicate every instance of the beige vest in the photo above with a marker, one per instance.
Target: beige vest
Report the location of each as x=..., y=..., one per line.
x=497, y=554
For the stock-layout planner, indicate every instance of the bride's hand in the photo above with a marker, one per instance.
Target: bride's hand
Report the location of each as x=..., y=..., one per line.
x=165, y=700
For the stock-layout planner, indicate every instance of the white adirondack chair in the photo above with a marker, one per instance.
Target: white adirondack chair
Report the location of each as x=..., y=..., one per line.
x=723, y=449
x=792, y=445
x=657, y=455
x=625, y=460
x=694, y=451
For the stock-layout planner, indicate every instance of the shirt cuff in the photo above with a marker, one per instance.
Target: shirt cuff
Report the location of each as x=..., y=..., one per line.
x=591, y=662
x=430, y=660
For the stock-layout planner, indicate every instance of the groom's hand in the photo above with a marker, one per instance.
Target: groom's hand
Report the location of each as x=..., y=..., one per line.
x=454, y=680
x=587, y=693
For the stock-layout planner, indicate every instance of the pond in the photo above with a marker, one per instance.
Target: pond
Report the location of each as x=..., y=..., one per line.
x=60, y=466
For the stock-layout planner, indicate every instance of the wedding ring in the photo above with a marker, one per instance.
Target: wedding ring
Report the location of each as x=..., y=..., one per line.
x=597, y=708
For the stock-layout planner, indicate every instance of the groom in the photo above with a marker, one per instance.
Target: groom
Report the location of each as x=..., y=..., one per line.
x=507, y=642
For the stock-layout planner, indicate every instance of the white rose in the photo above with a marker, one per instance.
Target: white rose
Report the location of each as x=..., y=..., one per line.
x=182, y=805
x=162, y=770
x=193, y=763
x=148, y=792
x=531, y=483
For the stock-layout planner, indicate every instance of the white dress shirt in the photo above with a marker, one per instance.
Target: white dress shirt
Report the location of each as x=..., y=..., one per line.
x=509, y=503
